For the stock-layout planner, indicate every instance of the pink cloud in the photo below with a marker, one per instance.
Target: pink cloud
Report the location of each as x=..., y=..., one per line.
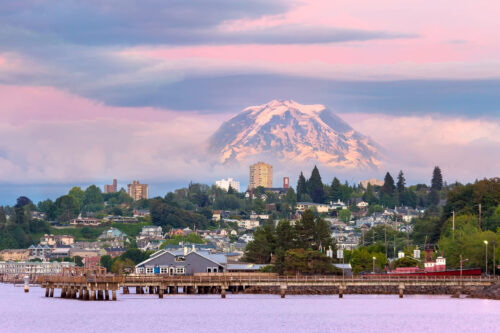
x=465, y=148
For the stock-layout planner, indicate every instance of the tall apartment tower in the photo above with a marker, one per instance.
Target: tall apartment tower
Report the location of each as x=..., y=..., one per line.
x=261, y=174
x=138, y=191
x=111, y=188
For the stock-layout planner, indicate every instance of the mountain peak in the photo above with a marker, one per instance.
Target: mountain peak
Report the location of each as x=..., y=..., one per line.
x=292, y=131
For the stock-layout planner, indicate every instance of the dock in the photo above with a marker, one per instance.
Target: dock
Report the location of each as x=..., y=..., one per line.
x=100, y=286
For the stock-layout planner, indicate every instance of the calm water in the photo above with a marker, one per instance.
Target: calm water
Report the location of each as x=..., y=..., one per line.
x=32, y=312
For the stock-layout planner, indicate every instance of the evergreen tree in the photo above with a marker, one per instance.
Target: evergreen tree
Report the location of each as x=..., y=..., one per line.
x=285, y=235
x=368, y=196
x=335, y=190
x=401, y=188
x=401, y=183
x=305, y=230
x=290, y=197
x=388, y=188
x=3, y=216
x=322, y=235
x=301, y=187
x=315, y=186
x=437, y=179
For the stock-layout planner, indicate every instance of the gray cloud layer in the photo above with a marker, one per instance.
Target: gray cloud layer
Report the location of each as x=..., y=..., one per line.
x=167, y=22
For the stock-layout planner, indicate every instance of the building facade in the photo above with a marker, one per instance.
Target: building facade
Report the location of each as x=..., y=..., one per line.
x=261, y=174
x=138, y=191
x=182, y=263
x=113, y=188
x=225, y=183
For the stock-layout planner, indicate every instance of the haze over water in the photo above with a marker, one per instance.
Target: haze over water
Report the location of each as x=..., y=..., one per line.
x=32, y=312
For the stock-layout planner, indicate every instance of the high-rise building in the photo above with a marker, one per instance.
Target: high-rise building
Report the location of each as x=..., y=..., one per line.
x=111, y=188
x=138, y=191
x=286, y=182
x=225, y=183
x=261, y=174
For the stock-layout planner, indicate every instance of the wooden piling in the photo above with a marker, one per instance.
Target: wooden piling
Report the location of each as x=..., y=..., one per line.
x=160, y=293
x=282, y=292
x=92, y=295
x=106, y=295
x=63, y=292
x=51, y=292
x=47, y=291
x=401, y=289
x=223, y=293
x=113, y=295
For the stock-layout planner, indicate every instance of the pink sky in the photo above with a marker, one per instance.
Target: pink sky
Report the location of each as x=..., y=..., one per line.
x=51, y=132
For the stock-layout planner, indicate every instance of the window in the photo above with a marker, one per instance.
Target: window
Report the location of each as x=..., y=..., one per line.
x=209, y=270
x=180, y=258
x=180, y=270
x=164, y=270
x=215, y=270
x=140, y=270
x=149, y=270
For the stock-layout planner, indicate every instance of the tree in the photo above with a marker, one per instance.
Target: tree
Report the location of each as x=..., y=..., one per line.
x=368, y=196
x=305, y=230
x=285, y=235
x=78, y=194
x=344, y=215
x=437, y=179
x=301, y=261
x=401, y=185
x=301, y=187
x=260, y=249
x=3, y=216
x=93, y=200
x=388, y=188
x=290, y=197
x=66, y=208
x=315, y=185
x=322, y=235
x=107, y=262
x=335, y=190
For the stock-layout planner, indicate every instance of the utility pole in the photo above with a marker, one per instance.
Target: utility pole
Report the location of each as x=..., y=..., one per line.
x=385, y=238
x=453, y=225
x=394, y=254
x=479, y=217
x=373, y=235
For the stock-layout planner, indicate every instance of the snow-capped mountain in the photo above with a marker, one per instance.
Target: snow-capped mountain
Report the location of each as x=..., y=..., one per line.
x=292, y=132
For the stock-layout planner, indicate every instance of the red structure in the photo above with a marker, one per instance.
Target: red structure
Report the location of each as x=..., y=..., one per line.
x=286, y=182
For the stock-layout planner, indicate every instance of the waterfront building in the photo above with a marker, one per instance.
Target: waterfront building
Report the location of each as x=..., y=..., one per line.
x=226, y=183
x=14, y=254
x=113, y=188
x=261, y=174
x=138, y=191
x=182, y=262
x=32, y=267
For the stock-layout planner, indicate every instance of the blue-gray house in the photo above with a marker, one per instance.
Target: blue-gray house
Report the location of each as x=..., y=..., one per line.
x=182, y=262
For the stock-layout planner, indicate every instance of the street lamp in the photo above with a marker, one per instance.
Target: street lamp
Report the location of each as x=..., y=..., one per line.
x=486, y=257
x=461, y=266
x=374, y=258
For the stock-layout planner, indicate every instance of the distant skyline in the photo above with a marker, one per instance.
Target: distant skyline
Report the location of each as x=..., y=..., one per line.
x=96, y=90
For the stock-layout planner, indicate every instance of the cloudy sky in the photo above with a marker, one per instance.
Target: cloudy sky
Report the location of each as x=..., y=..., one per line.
x=100, y=89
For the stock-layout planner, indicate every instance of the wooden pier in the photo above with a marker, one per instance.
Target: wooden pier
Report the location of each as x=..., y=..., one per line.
x=99, y=286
